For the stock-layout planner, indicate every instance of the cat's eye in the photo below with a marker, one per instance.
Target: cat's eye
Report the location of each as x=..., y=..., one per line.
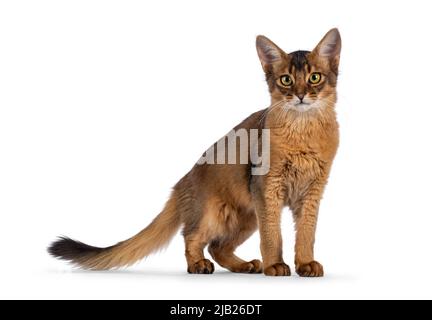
x=286, y=80
x=315, y=78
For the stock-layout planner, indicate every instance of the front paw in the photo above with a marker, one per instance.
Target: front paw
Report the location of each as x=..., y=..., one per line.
x=278, y=269
x=311, y=269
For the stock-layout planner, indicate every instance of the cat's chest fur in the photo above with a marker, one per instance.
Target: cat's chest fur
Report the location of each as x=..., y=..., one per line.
x=301, y=157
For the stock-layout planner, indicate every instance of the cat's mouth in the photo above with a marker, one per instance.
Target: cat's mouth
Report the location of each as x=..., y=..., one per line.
x=302, y=104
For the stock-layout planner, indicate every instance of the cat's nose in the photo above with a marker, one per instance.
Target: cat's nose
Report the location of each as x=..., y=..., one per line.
x=300, y=96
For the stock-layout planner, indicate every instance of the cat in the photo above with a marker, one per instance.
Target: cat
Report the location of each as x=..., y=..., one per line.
x=221, y=205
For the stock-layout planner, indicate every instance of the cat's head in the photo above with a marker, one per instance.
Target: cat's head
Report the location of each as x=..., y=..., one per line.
x=302, y=80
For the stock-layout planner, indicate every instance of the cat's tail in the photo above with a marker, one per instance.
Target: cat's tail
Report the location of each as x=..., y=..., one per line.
x=154, y=237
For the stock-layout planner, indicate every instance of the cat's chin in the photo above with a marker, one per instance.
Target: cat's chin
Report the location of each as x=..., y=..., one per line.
x=304, y=107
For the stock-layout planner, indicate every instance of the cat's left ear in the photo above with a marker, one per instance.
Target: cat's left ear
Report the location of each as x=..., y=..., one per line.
x=268, y=52
x=330, y=47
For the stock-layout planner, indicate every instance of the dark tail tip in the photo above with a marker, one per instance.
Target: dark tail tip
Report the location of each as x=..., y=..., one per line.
x=67, y=249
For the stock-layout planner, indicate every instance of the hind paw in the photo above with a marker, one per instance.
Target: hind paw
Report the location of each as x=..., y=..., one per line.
x=203, y=266
x=254, y=266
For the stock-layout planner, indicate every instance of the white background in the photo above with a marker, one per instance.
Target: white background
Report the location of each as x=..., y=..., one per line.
x=104, y=105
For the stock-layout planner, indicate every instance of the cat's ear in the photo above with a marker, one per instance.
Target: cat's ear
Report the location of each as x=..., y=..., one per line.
x=268, y=52
x=330, y=46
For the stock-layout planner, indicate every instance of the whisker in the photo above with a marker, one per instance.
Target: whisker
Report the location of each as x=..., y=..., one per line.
x=286, y=113
x=270, y=109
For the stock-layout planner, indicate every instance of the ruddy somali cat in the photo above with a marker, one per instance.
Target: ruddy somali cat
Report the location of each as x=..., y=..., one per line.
x=221, y=205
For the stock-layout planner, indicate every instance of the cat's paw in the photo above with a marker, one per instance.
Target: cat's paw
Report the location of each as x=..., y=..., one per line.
x=254, y=266
x=203, y=266
x=257, y=266
x=311, y=269
x=278, y=269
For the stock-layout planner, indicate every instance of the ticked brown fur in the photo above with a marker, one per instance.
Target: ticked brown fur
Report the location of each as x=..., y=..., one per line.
x=221, y=205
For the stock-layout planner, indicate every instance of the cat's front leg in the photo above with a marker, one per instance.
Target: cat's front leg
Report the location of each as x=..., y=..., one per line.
x=306, y=220
x=269, y=206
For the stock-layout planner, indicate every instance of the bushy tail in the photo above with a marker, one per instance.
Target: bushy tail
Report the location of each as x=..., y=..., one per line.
x=154, y=237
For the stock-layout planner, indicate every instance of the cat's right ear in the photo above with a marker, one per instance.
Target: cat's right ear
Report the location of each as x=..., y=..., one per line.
x=268, y=52
x=329, y=48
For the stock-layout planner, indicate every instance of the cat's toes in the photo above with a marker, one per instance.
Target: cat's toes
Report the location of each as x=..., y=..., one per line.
x=254, y=266
x=278, y=269
x=257, y=266
x=311, y=269
x=203, y=266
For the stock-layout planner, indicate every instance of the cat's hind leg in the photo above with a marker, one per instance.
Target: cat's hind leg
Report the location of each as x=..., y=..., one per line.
x=225, y=257
x=222, y=249
x=224, y=228
x=196, y=261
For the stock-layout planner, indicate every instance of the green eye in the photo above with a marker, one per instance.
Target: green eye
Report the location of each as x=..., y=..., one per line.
x=286, y=80
x=315, y=78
